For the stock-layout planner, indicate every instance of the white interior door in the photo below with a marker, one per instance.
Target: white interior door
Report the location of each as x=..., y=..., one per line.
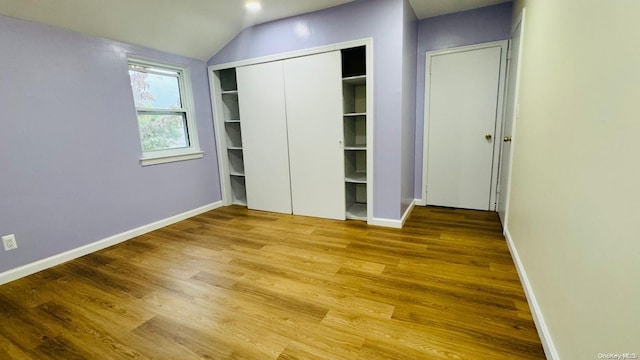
x=463, y=100
x=508, y=126
x=314, y=117
x=263, y=124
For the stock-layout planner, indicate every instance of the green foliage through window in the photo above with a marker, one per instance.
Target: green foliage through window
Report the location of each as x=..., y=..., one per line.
x=162, y=120
x=159, y=132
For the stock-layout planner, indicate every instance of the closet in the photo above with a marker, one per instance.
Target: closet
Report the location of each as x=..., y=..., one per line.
x=354, y=81
x=229, y=114
x=295, y=134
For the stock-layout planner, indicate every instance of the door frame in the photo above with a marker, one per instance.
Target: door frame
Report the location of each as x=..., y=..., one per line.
x=218, y=119
x=519, y=23
x=503, y=45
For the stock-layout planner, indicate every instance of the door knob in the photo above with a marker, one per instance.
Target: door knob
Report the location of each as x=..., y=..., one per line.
x=507, y=139
x=488, y=136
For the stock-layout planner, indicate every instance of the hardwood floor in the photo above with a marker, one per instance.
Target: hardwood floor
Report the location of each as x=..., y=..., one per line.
x=239, y=284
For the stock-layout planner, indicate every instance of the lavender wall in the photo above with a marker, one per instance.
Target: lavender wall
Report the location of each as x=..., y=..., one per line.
x=69, y=146
x=486, y=24
x=381, y=20
x=409, y=57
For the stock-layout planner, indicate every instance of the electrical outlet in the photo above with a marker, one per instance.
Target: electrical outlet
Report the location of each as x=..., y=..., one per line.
x=9, y=242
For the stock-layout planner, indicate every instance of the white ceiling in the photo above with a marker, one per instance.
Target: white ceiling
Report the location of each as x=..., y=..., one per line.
x=194, y=28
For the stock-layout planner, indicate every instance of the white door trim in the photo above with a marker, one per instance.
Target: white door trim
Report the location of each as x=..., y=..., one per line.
x=503, y=44
x=292, y=54
x=221, y=143
x=521, y=24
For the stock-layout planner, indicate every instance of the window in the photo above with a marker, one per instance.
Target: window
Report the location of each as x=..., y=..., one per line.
x=164, y=110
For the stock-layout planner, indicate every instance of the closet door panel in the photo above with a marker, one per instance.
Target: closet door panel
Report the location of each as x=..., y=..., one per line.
x=264, y=134
x=313, y=88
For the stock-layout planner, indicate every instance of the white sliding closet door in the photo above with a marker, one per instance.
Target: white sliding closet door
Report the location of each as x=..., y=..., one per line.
x=264, y=135
x=313, y=88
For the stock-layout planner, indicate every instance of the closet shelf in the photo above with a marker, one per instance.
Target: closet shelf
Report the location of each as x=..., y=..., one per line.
x=355, y=114
x=229, y=92
x=357, y=177
x=232, y=121
x=355, y=80
x=232, y=173
x=355, y=147
x=357, y=211
x=234, y=148
x=241, y=202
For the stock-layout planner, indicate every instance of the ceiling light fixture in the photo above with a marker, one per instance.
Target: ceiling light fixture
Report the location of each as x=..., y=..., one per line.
x=253, y=6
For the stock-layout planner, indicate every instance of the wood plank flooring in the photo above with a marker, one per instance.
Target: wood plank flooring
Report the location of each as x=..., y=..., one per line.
x=240, y=284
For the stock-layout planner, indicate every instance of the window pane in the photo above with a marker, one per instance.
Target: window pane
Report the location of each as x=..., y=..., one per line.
x=155, y=91
x=162, y=132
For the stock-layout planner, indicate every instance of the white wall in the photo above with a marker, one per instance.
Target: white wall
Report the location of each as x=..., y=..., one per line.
x=575, y=189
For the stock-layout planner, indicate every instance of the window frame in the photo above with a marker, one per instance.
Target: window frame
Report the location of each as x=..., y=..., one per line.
x=186, y=98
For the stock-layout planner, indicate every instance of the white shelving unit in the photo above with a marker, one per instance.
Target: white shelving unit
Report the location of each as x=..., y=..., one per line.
x=234, y=135
x=236, y=162
x=354, y=86
x=355, y=131
x=355, y=165
x=238, y=190
x=227, y=95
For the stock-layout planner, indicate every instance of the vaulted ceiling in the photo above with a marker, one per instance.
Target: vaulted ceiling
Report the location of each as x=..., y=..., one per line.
x=194, y=28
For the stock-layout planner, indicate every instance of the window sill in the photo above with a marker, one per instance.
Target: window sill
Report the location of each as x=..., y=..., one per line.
x=155, y=160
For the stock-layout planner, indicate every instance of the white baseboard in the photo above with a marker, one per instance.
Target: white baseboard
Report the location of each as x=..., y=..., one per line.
x=407, y=212
x=421, y=202
x=54, y=260
x=543, y=331
x=398, y=224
